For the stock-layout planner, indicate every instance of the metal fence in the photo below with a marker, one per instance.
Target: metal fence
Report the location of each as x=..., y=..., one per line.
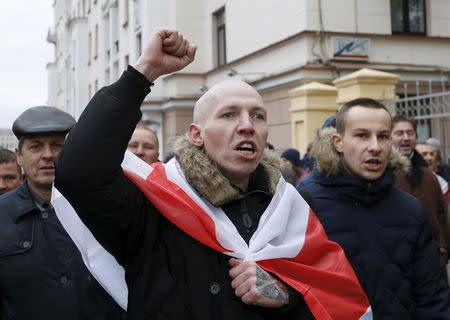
x=431, y=111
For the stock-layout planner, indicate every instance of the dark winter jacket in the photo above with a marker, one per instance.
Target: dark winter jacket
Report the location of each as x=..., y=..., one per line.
x=169, y=274
x=42, y=274
x=384, y=234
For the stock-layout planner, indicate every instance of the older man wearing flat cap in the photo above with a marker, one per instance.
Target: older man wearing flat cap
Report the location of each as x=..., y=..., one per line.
x=42, y=272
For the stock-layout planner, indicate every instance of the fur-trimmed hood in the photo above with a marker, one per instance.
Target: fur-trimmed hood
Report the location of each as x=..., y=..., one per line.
x=204, y=175
x=328, y=159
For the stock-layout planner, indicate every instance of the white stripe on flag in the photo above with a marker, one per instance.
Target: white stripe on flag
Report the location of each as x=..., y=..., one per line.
x=102, y=265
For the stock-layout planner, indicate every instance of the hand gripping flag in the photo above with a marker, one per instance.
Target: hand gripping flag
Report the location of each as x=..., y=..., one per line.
x=289, y=242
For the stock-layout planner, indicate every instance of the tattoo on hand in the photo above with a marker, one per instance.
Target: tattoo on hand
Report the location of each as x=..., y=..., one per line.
x=270, y=287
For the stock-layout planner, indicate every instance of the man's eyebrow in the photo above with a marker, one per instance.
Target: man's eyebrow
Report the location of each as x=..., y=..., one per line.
x=259, y=108
x=35, y=141
x=360, y=129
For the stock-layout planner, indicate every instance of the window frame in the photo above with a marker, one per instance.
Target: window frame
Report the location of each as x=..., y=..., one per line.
x=219, y=29
x=406, y=21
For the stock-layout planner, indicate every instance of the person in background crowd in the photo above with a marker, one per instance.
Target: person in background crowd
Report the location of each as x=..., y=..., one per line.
x=144, y=143
x=10, y=171
x=289, y=175
x=330, y=122
x=308, y=160
x=286, y=171
x=443, y=169
x=290, y=158
x=42, y=272
x=420, y=181
x=431, y=155
x=382, y=229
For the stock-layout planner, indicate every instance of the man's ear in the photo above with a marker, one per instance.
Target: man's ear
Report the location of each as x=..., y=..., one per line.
x=195, y=136
x=336, y=138
x=19, y=157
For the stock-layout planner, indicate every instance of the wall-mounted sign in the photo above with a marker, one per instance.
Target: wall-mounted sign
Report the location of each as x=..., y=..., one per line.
x=347, y=48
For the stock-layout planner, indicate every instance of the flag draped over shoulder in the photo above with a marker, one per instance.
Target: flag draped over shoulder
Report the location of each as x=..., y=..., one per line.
x=289, y=242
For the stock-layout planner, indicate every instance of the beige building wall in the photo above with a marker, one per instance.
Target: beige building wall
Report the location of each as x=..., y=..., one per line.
x=176, y=122
x=277, y=103
x=274, y=47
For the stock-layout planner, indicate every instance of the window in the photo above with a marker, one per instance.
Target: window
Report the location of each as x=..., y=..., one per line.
x=125, y=13
x=408, y=16
x=89, y=48
x=138, y=44
x=96, y=42
x=221, y=46
x=107, y=76
x=115, y=71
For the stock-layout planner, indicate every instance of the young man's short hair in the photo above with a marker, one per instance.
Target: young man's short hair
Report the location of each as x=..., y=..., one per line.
x=401, y=118
x=359, y=102
x=7, y=156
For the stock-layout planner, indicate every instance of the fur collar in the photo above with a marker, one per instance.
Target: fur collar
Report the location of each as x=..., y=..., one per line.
x=328, y=159
x=204, y=175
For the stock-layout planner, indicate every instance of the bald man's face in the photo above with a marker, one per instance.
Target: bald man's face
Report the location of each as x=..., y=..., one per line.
x=233, y=131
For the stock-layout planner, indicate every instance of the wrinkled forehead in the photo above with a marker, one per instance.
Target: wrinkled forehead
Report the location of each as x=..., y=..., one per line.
x=403, y=126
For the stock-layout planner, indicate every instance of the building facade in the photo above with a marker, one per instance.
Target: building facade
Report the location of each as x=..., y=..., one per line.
x=275, y=46
x=8, y=140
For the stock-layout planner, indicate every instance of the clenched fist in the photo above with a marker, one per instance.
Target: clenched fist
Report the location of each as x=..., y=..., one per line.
x=167, y=51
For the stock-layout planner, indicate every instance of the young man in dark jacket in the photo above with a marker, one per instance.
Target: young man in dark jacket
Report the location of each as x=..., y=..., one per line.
x=173, y=255
x=382, y=229
x=42, y=272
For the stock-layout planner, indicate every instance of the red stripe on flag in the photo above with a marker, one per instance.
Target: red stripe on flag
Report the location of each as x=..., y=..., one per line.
x=177, y=206
x=323, y=275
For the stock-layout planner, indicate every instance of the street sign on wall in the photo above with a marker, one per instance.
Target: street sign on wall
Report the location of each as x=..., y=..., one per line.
x=349, y=48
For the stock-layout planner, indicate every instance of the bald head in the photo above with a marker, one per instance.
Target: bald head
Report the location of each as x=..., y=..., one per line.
x=230, y=125
x=216, y=94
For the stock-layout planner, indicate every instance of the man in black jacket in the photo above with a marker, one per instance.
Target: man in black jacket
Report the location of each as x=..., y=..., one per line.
x=170, y=273
x=382, y=229
x=42, y=273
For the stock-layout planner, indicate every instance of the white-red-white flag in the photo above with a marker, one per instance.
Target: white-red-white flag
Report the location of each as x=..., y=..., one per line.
x=289, y=242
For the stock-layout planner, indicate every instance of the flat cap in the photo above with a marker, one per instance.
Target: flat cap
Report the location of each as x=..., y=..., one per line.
x=42, y=120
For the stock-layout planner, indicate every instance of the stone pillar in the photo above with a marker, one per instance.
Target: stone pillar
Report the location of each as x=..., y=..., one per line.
x=367, y=83
x=311, y=104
